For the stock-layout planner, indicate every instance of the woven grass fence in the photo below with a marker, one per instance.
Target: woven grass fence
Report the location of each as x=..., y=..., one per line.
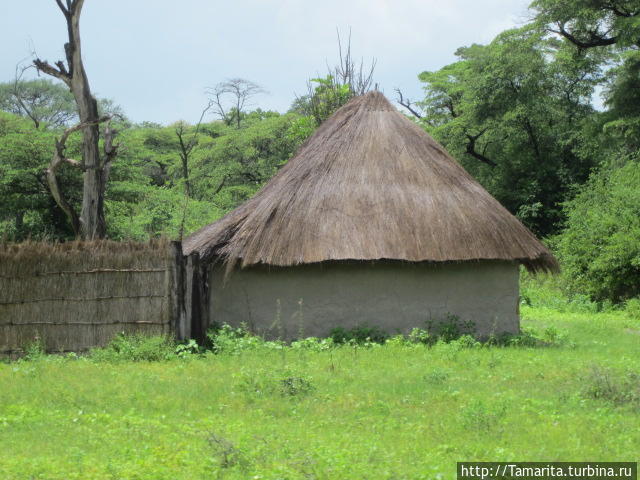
x=76, y=295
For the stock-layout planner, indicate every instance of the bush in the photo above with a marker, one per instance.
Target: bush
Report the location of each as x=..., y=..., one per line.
x=283, y=382
x=233, y=341
x=34, y=350
x=420, y=335
x=529, y=337
x=632, y=307
x=313, y=344
x=602, y=384
x=600, y=248
x=135, y=348
x=547, y=291
x=450, y=328
x=360, y=335
x=187, y=349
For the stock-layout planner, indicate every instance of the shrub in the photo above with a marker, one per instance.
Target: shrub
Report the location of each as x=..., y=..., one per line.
x=360, y=335
x=313, y=344
x=187, y=349
x=34, y=350
x=225, y=452
x=602, y=384
x=466, y=341
x=136, y=348
x=530, y=337
x=450, y=328
x=291, y=386
x=419, y=335
x=437, y=376
x=481, y=417
x=233, y=341
x=268, y=382
x=632, y=307
x=600, y=248
x=547, y=291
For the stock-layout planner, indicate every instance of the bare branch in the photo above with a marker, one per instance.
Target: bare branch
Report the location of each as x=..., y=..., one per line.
x=345, y=72
x=44, y=66
x=80, y=126
x=406, y=103
x=471, y=149
x=110, y=148
x=64, y=9
x=595, y=39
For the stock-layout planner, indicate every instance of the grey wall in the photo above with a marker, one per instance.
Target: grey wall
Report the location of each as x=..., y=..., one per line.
x=310, y=300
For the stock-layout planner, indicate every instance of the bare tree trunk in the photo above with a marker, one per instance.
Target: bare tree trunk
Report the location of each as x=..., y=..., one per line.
x=91, y=221
x=59, y=157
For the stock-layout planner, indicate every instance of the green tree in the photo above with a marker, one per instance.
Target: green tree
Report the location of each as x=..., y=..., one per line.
x=591, y=23
x=42, y=101
x=512, y=113
x=232, y=167
x=28, y=211
x=227, y=165
x=610, y=30
x=600, y=248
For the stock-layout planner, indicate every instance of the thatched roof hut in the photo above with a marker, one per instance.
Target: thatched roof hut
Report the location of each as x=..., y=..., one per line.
x=370, y=185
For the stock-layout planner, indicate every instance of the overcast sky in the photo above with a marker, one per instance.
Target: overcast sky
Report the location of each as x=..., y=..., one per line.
x=155, y=57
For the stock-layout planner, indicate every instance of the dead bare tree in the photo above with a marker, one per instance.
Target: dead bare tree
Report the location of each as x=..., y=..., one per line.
x=91, y=222
x=240, y=91
x=187, y=144
x=60, y=158
x=348, y=72
x=344, y=81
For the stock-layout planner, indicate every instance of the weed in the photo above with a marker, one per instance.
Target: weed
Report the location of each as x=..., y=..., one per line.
x=359, y=335
x=402, y=410
x=479, y=416
x=292, y=386
x=313, y=344
x=34, y=350
x=420, y=335
x=135, y=348
x=450, y=328
x=186, y=350
x=529, y=337
x=265, y=382
x=437, y=376
x=602, y=384
x=224, y=451
x=466, y=341
x=233, y=341
x=632, y=308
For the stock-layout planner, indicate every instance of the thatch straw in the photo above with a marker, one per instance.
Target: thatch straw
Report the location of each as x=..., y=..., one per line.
x=368, y=185
x=76, y=295
x=38, y=258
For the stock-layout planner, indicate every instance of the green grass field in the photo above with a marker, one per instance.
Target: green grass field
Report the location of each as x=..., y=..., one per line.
x=383, y=412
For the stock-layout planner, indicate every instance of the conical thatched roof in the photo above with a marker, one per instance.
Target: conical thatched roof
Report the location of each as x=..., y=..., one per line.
x=368, y=185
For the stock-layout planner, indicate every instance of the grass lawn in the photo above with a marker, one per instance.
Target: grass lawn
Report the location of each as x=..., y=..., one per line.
x=386, y=412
